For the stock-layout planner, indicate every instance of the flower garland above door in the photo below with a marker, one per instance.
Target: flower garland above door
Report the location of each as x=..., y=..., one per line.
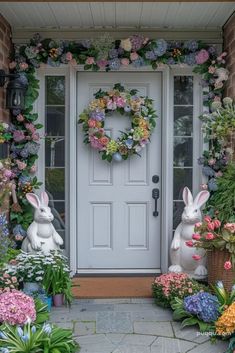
x=125, y=102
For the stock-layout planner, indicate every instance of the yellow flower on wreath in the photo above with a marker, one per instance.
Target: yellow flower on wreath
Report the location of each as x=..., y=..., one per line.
x=97, y=104
x=225, y=325
x=144, y=124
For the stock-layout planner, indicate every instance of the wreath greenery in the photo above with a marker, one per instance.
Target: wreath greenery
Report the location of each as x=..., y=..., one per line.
x=126, y=102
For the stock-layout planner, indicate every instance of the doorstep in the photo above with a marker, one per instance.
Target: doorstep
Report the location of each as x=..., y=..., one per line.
x=113, y=287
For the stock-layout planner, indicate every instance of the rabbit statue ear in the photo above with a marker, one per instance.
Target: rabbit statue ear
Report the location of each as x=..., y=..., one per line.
x=33, y=200
x=187, y=196
x=44, y=198
x=201, y=198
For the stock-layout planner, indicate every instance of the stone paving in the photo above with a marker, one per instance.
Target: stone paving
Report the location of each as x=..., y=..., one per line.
x=130, y=326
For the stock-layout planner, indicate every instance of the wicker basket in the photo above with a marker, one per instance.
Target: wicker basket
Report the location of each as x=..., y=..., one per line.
x=216, y=272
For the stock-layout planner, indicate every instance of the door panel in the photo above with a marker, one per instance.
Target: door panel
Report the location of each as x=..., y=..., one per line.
x=116, y=226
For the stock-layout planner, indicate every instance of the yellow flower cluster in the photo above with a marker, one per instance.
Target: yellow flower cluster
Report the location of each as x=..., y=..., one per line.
x=225, y=325
x=97, y=104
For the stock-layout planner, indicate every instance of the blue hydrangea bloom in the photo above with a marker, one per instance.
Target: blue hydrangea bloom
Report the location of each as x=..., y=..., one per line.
x=191, y=45
x=129, y=143
x=23, y=179
x=161, y=47
x=208, y=171
x=150, y=55
x=24, y=153
x=138, y=62
x=212, y=185
x=32, y=147
x=190, y=59
x=204, y=305
x=114, y=64
x=171, y=61
x=113, y=53
x=18, y=229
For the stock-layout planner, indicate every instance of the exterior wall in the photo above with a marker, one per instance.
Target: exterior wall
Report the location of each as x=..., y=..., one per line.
x=5, y=48
x=229, y=47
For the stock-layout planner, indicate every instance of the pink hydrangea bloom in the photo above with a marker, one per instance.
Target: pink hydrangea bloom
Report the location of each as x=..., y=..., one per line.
x=202, y=56
x=30, y=127
x=18, y=135
x=16, y=308
x=102, y=63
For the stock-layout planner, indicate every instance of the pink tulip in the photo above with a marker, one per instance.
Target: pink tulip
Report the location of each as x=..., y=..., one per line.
x=207, y=219
x=198, y=224
x=210, y=226
x=196, y=236
x=196, y=257
x=189, y=243
x=210, y=236
x=217, y=223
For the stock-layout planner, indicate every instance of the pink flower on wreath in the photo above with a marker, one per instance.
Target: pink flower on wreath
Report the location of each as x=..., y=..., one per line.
x=120, y=101
x=230, y=227
x=210, y=236
x=16, y=308
x=90, y=60
x=227, y=265
x=21, y=165
x=196, y=257
x=134, y=56
x=207, y=219
x=211, y=69
x=18, y=237
x=196, y=236
x=104, y=140
x=7, y=173
x=69, y=56
x=91, y=123
x=18, y=135
x=125, y=61
x=210, y=226
x=189, y=243
x=36, y=136
x=23, y=66
x=202, y=56
x=20, y=118
x=95, y=143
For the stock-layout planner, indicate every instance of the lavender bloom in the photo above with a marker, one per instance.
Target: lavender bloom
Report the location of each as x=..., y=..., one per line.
x=204, y=305
x=23, y=179
x=114, y=64
x=150, y=55
x=97, y=115
x=24, y=153
x=190, y=59
x=191, y=45
x=113, y=53
x=161, y=47
x=120, y=51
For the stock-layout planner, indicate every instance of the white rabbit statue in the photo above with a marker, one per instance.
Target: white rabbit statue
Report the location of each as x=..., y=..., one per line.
x=180, y=253
x=41, y=234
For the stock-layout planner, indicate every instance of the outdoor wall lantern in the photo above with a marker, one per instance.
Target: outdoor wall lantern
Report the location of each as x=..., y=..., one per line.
x=15, y=97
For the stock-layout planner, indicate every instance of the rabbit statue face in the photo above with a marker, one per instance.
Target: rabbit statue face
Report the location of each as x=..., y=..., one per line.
x=42, y=212
x=192, y=213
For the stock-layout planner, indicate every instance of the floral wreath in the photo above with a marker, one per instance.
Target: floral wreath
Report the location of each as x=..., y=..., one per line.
x=126, y=102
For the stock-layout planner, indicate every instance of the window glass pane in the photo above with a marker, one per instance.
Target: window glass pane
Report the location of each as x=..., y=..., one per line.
x=58, y=211
x=54, y=180
x=182, y=178
x=54, y=152
x=183, y=90
x=178, y=208
x=55, y=121
x=183, y=121
x=62, y=234
x=3, y=150
x=55, y=90
x=183, y=152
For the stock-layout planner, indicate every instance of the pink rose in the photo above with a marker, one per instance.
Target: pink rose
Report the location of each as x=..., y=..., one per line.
x=227, y=265
x=198, y=224
x=207, y=219
x=12, y=65
x=196, y=236
x=134, y=56
x=20, y=118
x=33, y=169
x=212, y=161
x=196, y=257
x=120, y=102
x=217, y=99
x=211, y=69
x=23, y=66
x=35, y=137
x=210, y=236
x=104, y=140
x=202, y=56
x=30, y=127
x=90, y=60
x=217, y=223
x=210, y=226
x=189, y=243
x=21, y=165
x=92, y=123
x=125, y=61
x=69, y=56
x=230, y=227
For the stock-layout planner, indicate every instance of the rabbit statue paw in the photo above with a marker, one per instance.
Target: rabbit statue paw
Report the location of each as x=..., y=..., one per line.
x=41, y=234
x=181, y=255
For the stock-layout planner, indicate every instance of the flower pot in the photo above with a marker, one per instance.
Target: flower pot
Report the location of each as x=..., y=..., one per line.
x=49, y=303
x=216, y=272
x=31, y=286
x=58, y=299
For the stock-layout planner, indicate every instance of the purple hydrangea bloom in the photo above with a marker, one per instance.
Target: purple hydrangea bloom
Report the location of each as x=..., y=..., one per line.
x=208, y=171
x=191, y=45
x=138, y=62
x=97, y=115
x=3, y=225
x=190, y=59
x=204, y=305
x=161, y=47
x=24, y=153
x=150, y=55
x=114, y=64
x=23, y=79
x=113, y=53
x=137, y=42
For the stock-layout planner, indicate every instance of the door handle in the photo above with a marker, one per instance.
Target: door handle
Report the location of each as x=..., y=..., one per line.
x=155, y=196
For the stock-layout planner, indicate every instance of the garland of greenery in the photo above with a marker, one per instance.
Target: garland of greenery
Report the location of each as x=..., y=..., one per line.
x=98, y=54
x=126, y=102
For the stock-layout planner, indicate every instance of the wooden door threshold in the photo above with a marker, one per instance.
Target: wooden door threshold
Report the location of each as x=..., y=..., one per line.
x=113, y=286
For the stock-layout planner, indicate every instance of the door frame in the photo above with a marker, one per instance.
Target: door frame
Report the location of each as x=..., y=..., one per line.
x=70, y=73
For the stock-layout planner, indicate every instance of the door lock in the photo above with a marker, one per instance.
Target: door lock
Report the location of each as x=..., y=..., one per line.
x=155, y=179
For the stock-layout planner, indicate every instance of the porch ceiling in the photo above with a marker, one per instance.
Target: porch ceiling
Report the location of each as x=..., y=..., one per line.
x=116, y=15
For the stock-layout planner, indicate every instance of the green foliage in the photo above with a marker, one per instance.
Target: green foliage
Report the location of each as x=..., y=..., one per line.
x=222, y=202
x=42, y=314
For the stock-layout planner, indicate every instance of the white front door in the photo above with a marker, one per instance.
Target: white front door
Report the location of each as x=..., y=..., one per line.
x=115, y=222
